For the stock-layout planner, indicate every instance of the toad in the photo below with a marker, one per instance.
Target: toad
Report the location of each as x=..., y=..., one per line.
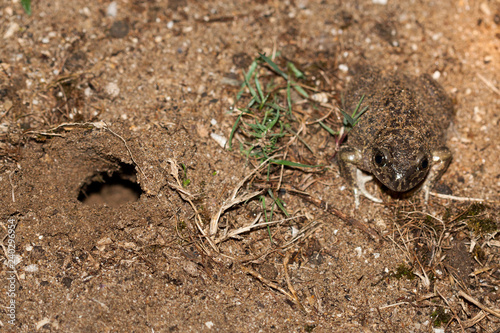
x=401, y=137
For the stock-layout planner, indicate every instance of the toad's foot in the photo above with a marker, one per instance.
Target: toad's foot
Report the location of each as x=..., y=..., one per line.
x=361, y=179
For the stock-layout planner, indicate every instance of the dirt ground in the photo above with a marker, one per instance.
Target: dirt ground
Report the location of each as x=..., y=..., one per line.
x=107, y=239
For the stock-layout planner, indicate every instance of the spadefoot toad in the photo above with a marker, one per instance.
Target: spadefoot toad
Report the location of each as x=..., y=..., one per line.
x=401, y=137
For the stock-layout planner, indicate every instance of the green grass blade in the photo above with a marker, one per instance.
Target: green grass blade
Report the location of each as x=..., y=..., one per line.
x=294, y=164
x=300, y=90
x=262, y=199
x=278, y=202
x=328, y=129
x=348, y=121
x=289, y=97
x=298, y=74
x=274, y=121
x=276, y=107
x=233, y=130
x=250, y=88
x=273, y=66
x=259, y=90
x=26, y=6
x=247, y=77
x=357, y=106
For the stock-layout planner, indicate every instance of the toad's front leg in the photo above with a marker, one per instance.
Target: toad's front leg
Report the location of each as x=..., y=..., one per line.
x=441, y=158
x=349, y=160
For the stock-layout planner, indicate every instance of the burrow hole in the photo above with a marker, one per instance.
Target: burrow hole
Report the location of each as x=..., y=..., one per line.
x=111, y=187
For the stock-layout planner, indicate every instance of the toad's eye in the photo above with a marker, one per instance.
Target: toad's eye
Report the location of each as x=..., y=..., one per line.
x=424, y=163
x=380, y=158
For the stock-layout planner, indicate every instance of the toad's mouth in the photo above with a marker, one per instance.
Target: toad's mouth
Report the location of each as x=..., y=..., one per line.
x=398, y=181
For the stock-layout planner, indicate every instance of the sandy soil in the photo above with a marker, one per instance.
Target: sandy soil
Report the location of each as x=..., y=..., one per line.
x=106, y=239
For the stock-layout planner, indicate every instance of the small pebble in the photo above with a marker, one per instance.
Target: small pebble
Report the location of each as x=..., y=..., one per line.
x=485, y=9
x=343, y=68
x=112, y=89
x=219, y=139
x=11, y=30
x=33, y=268
x=436, y=75
x=112, y=9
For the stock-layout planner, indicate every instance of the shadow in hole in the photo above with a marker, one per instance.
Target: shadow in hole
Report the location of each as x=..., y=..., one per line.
x=113, y=189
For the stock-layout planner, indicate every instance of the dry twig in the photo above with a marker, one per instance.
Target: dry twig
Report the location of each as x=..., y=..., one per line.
x=349, y=220
x=234, y=200
x=469, y=298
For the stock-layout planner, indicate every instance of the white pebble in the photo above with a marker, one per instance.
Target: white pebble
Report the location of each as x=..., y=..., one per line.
x=170, y=24
x=11, y=30
x=33, y=268
x=112, y=89
x=436, y=75
x=321, y=97
x=343, y=68
x=219, y=139
x=213, y=122
x=112, y=9
x=209, y=324
x=86, y=11
x=485, y=9
x=380, y=2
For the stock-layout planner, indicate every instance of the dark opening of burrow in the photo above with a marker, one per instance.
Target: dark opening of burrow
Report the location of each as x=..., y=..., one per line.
x=112, y=187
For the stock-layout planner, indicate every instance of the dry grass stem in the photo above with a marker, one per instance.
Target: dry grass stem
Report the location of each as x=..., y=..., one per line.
x=106, y=127
x=303, y=233
x=393, y=305
x=488, y=83
x=286, y=260
x=174, y=171
x=225, y=206
x=12, y=186
x=267, y=282
x=452, y=197
x=484, y=269
x=495, y=312
x=253, y=225
x=233, y=200
x=473, y=321
x=455, y=314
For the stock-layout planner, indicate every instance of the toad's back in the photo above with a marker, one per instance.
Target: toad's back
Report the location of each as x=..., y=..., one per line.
x=401, y=104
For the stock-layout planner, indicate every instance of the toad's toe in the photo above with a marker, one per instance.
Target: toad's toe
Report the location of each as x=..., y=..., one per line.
x=361, y=180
